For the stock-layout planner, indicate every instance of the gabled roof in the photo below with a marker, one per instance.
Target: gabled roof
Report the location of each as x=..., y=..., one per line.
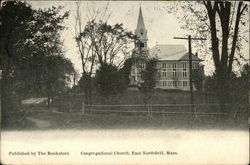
x=186, y=58
x=163, y=51
x=171, y=53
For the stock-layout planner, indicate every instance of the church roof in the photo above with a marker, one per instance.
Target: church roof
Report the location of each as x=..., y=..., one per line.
x=186, y=57
x=171, y=53
x=140, y=22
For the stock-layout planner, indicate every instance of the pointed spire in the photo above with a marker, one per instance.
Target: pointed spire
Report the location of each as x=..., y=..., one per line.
x=140, y=22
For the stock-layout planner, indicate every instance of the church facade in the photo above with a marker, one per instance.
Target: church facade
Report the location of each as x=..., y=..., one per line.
x=172, y=65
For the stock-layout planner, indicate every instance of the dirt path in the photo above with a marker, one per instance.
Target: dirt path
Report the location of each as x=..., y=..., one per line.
x=39, y=123
x=34, y=101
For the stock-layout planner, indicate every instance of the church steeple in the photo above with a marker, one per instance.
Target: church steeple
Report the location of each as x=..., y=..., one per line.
x=141, y=31
x=140, y=22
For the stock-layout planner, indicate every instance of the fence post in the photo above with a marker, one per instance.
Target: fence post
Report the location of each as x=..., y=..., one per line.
x=203, y=97
x=82, y=107
x=195, y=114
x=151, y=109
x=163, y=117
x=70, y=107
x=148, y=110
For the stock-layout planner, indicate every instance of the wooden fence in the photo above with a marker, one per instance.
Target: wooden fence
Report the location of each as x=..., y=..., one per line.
x=169, y=110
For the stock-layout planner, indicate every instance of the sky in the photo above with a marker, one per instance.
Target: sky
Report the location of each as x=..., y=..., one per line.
x=162, y=27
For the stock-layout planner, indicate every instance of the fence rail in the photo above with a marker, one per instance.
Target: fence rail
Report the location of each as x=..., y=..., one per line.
x=135, y=105
x=155, y=112
x=198, y=109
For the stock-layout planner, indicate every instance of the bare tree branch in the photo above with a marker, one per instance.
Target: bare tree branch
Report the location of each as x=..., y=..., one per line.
x=235, y=36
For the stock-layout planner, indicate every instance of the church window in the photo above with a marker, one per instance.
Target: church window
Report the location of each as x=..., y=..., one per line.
x=174, y=70
x=179, y=83
x=164, y=65
x=175, y=84
x=174, y=74
x=184, y=71
x=141, y=31
x=164, y=74
x=164, y=83
x=195, y=66
x=164, y=70
x=184, y=65
x=174, y=65
x=185, y=83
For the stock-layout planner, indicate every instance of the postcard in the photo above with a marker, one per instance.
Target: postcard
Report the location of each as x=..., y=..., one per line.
x=124, y=82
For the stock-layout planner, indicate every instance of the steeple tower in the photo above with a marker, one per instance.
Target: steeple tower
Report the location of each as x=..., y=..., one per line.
x=141, y=31
x=141, y=51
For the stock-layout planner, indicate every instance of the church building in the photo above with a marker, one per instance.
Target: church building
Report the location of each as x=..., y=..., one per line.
x=172, y=65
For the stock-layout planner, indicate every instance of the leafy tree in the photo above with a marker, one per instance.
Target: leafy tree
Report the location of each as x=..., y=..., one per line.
x=210, y=84
x=198, y=77
x=43, y=42
x=31, y=52
x=57, y=76
x=47, y=44
x=105, y=47
x=88, y=56
x=14, y=29
x=84, y=33
x=111, y=80
x=109, y=43
x=222, y=22
x=125, y=72
x=239, y=87
x=108, y=79
x=86, y=86
x=149, y=77
x=223, y=61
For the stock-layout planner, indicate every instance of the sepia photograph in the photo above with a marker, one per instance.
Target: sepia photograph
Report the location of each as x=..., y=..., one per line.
x=124, y=82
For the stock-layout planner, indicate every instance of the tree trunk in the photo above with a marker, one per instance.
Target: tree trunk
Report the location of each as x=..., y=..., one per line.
x=90, y=91
x=223, y=93
x=86, y=96
x=4, y=91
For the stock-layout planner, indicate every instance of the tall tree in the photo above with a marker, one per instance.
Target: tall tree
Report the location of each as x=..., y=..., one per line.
x=47, y=46
x=149, y=77
x=30, y=48
x=57, y=76
x=16, y=17
x=84, y=44
x=198, y=77
x=108, y=46
x=223, y=23
x=223, y=59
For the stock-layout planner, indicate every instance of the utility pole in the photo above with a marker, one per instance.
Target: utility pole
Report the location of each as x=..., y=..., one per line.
x=190, y=70
x=190, y=65
x=74, y=86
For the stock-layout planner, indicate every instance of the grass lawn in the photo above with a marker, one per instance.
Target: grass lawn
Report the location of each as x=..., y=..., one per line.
x=134, y=121
x=65, y=113
x=64, y=103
